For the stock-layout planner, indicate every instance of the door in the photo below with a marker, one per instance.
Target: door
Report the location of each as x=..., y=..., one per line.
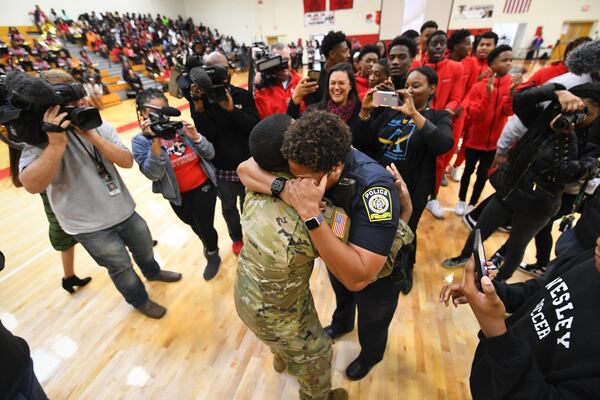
x=570, y=31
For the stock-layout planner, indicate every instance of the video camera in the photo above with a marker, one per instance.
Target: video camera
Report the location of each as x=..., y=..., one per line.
x=267, y=64
x=24, y=100
x=211, y=81
x=161, y=125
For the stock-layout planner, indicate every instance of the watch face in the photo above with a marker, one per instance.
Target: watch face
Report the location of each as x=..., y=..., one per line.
x=312, y=223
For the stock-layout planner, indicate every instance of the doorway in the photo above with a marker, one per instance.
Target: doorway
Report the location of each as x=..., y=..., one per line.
x=570, y=31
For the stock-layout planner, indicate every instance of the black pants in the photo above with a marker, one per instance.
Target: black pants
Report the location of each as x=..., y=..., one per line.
x=543, y=239
x=197, y=209
x=525, y=225
x=229, y=192
x=376, y=306
x=472, y=157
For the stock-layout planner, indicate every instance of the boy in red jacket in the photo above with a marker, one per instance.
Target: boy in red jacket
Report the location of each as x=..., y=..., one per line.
x=448, y=94
x=367, y=57
x=490, y=103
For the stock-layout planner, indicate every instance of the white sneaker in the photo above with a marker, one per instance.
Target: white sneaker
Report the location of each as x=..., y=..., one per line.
x=469, y=208
x=460, y=208
x=433, y=206
x=455, y=174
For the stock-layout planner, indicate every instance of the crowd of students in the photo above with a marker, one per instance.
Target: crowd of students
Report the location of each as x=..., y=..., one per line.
x=456, y=100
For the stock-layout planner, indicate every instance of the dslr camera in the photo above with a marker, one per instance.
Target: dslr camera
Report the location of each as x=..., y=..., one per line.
x=565, y=120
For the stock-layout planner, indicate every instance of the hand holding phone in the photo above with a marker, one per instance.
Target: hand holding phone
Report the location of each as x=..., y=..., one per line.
x=314, y=75
x=480, y=260
x=386, y=99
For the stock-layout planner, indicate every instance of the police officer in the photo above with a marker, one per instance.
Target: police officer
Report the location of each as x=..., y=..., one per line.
x=272, y=291
x=319, y=153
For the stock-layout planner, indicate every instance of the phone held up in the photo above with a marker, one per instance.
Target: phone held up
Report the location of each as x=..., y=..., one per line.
x=480, y=260
x=314, y=75
x=387, y=99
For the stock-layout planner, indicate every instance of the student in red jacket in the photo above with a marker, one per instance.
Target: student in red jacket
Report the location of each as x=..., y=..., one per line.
x=448, y=94
x=367, y=57
x=482, y=48
x=490, y=103
x=459, y=45
x=274, y=99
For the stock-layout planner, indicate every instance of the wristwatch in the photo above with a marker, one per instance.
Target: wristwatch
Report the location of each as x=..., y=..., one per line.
x=277, y=186
x=314, y=222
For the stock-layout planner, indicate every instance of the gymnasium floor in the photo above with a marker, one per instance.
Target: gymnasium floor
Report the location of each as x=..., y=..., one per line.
x=93, y=345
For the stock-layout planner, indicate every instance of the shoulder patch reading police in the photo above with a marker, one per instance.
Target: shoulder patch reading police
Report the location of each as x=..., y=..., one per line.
x=378, y=203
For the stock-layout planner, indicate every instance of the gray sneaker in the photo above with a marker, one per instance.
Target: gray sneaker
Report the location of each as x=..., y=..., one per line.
x=152, y=310
x=455, y=262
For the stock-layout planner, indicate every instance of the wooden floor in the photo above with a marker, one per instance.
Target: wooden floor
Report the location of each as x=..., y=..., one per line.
x=93, y=345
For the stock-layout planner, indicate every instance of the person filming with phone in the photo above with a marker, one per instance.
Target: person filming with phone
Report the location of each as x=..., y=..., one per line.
x=548, y=348
x=408, y=134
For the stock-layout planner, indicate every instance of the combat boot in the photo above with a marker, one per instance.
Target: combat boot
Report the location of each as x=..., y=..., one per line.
x=278, y=363
x=338, y=394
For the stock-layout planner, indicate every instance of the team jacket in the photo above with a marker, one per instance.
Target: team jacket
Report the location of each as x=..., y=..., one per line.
x=362, y=86
x=545, y=74
x=450, y=88
x=275, y=99
x=489, y=112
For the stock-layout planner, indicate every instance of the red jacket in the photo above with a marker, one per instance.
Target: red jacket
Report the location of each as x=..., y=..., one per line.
x=450, y=88
x=480, y=66
x=362, y=86
x=489, y=113
x=470, y=69
x=545, y=74
x=275, y=99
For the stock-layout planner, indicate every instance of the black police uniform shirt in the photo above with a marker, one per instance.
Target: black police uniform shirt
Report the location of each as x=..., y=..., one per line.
x=375, y=207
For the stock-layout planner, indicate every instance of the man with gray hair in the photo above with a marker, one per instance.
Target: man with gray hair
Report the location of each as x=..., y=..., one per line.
x=273, y=97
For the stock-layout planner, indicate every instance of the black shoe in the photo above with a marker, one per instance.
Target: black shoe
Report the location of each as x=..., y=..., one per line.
x=407, y=284
x=212, y=266
x=152, y=310
x=167, y=276
x=532, y=269
x=154, y=243
x=358, y=370
x=70, y=282
x=334, y=333
x=497, y=259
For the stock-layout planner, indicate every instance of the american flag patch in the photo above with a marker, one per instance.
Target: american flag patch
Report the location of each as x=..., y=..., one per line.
x=339, y=223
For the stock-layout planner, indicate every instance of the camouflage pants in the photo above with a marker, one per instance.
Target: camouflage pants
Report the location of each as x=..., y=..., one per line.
x=297, y=337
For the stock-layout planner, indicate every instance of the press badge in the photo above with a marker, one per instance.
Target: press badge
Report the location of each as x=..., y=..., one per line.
x=109, y=182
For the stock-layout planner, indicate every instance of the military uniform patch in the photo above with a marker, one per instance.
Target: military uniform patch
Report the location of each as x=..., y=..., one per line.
x=378, y=203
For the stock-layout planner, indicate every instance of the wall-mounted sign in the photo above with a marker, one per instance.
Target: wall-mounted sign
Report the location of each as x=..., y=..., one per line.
x=319, y=18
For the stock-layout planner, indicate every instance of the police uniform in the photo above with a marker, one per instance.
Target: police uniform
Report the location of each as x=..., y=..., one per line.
x=374, y=210
x=272, y=293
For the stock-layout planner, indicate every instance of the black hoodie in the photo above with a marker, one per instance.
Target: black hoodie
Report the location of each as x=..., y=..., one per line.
x=551, y=349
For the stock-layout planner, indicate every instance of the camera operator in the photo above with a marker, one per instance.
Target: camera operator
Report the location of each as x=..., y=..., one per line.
x=89, y=198
x=227, y=124
x=273, y=97
x=177, y=160
x=548, y=348
x=556, y=150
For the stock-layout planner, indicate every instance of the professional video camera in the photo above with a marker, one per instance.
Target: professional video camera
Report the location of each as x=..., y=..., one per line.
x=24, y=100
x=564, y=120
x=161, y=125
x=211, y=81
x=266, y=64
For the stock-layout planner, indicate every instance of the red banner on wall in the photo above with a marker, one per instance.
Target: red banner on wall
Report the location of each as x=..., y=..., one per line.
x=314, y=6
x=340, y=4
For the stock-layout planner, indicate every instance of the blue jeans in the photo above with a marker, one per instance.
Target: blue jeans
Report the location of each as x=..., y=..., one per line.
x=31, y=388
x=108, y=247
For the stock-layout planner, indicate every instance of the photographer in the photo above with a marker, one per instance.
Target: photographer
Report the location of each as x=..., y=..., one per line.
x=88, y=196
x=548, y=348
x=227, y=123
x=272, y=96
x=176, y=159
x=410, y=136
x=556, y=150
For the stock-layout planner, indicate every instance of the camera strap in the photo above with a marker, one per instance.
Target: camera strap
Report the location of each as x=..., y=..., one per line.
x=105, y=176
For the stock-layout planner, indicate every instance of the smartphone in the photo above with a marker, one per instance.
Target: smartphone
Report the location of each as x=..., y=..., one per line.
x=480, y=260
x=314, y=75
x=386, y=99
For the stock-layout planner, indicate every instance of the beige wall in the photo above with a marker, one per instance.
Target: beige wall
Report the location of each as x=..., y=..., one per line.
x=550, y=14
x=248, y=21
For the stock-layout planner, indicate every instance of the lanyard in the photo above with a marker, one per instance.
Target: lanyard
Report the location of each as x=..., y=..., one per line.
x=96, y=157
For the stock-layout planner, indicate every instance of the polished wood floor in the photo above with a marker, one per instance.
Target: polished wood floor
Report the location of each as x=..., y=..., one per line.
x=93, y=345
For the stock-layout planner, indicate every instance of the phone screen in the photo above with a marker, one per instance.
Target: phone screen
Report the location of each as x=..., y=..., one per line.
x=480, y=259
